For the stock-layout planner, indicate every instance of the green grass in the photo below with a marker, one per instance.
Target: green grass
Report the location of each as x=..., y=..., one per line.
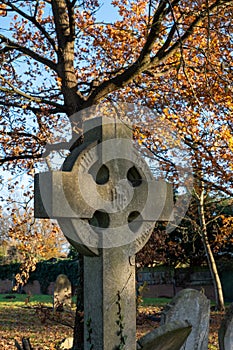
x=19, y=299
x=155, y=301
x=163, y=301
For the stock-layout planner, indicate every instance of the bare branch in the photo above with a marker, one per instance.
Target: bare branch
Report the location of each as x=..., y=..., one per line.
x=29, y=97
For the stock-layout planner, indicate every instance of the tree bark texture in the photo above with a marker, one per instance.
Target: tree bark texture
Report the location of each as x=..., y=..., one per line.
x=210, y=257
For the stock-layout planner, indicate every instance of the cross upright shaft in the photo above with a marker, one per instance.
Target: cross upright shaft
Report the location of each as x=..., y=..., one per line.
x=109, y=300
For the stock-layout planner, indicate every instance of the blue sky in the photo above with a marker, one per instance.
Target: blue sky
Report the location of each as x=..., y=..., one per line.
x=107, y=12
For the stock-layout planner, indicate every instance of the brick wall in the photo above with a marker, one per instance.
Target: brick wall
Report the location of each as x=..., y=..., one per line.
x=33, y=287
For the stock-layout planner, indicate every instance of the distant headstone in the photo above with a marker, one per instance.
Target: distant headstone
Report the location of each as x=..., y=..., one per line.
x=66, y=344
x=62, y=293
x=192, y=306
x=225, y=334
x=167, y=337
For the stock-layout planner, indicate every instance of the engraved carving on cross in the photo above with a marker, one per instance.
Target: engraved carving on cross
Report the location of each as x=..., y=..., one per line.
x=106, y=201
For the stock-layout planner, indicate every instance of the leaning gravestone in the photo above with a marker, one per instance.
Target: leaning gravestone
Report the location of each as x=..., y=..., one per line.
x=106, y=201
x=225, y=334
x=170, y=336
x=192, y=306
x=62, y=293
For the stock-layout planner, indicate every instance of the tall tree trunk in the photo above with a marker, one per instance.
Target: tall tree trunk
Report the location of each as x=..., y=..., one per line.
x=210, y=258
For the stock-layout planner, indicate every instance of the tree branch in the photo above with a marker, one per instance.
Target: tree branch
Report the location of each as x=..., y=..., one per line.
x=47, y=148
x=20, y=157
x=31, y=108
x=33, y=20
x=25, y=95
x=11, y=45
x=162, y=55
x=144, y=61
x=21, y=134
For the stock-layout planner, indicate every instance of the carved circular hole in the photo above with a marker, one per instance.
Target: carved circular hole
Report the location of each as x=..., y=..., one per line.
x=100, y=219
x=134, y=221
x=134, y=177
x=102, y=175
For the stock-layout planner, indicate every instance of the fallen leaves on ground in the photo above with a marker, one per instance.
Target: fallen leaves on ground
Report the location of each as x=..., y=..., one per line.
x=23, y=321
x=17, y=322
x=149, y=317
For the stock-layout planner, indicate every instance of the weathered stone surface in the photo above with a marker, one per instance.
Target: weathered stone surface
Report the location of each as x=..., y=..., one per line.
x=225, y=334
x=109, y=177
x=192, y=306
x=66, y=344
x=106, y=202
x=62, y=293
x=110, y=300
x=167, y=337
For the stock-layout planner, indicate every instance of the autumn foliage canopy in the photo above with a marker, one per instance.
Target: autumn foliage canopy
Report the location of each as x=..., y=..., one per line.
x=59, y=57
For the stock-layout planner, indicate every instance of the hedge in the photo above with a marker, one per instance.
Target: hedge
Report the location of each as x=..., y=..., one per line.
x=46, y=272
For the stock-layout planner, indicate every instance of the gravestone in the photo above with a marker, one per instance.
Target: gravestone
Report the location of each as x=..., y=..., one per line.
x=106, y=201
x=225, y=334
x=62, y=293
x=167, y=337
x=192, y=306
x=66, y=344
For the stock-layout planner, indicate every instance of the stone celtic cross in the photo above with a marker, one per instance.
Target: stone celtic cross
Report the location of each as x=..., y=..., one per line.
x=106, y=201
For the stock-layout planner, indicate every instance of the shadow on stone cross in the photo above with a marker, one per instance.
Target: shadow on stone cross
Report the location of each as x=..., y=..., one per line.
x=106, y=201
